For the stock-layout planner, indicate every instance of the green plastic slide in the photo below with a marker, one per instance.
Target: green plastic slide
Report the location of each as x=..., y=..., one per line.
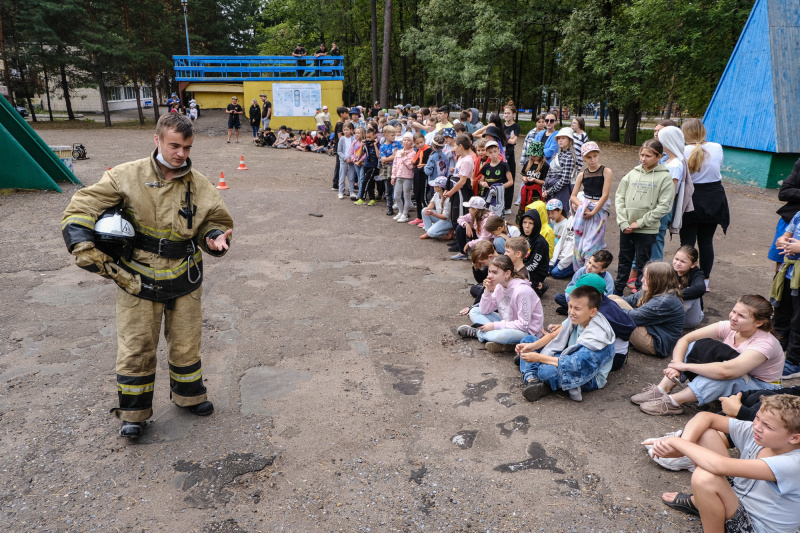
x=26, y=162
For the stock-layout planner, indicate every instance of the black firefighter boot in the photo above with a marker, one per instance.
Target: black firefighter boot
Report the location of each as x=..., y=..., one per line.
x=131, y=430
x=201, y=409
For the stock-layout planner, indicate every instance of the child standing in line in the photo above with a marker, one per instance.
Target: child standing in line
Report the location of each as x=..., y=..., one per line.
x=579, y=138
x=387, y=152
x=347, y=171
x=691, y=284
x=436, y=216
x=357, y=156
x=420, y=179
x=785, y=297
x=578, y=359
x=480, y=159
x=534, y=173
x=509, y=310
x=591, y=212
x=371, y=161
x=402, y=176
x=644, y=195
x=460, y=187
x=562, y=167
x=674, y=145
x=495, y=179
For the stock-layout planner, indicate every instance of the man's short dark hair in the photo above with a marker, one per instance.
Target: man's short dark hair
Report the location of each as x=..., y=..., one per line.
x=342, y=109
x=592, y=295
x=460, y=128
x=443, y=109
x=603, y=257
x=175, y=121
x=425, y=111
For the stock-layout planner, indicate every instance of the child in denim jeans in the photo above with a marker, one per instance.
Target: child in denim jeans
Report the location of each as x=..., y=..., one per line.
x=578, y=358
x=387, y=151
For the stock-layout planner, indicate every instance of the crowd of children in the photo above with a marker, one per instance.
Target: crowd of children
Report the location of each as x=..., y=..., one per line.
x=455, y=181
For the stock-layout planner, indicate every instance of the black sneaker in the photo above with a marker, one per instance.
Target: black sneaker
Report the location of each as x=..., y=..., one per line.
x=131, y=430
x=390, y=212
x=516, y=360
x=468, y=331
x=201, y=409
x=453, y=248
x=535, y=389
x=540, y=292
x=561, y=310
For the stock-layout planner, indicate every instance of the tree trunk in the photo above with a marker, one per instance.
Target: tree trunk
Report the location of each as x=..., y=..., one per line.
x=632, y=116
x=98, y=75
x=613, y=129
x=6, y=68
x=133, y=67
x=25, y=88
x=47, y=92
x=387, y=44
x=668, y=109
x=602, y=111
x=580, y=100
x=374, y=35
x=65, y=88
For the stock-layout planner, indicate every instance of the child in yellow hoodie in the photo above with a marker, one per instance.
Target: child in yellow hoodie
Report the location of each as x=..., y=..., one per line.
x=546, y=231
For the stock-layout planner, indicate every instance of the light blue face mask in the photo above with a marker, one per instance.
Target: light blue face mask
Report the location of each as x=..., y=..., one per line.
x=160, y=159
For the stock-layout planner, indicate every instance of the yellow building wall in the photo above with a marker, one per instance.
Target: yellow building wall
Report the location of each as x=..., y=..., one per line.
x=218, y=96
x=331, y=97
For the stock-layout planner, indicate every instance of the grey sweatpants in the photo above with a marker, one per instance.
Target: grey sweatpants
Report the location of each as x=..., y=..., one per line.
x=402, y=195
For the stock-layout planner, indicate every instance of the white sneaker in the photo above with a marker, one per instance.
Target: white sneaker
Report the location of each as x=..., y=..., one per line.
x=394, y=206
x=507, y=211
x=341, y=196
x=516, y=203
x=671, y=463
x=403, y=219
x=397, y=216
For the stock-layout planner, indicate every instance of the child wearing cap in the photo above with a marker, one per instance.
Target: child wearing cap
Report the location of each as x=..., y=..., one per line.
x=578, y=359
x=591, y=212
x=471, y=227
x=562, y=167
x=509, y=310
x=282, y=140
x=436, y=217
x=495, y=180
x=561, y=262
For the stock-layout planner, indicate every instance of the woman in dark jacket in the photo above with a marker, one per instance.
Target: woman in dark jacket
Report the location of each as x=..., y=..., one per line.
x=255, y=118
x=789, y=193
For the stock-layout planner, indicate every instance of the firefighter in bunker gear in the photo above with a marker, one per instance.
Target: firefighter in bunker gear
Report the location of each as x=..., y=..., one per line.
x=176, y=213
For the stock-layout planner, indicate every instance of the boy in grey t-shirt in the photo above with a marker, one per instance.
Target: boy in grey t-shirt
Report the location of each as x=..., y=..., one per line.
x=765, y=496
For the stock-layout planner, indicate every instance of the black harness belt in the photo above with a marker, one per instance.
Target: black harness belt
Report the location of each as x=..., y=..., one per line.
x=164, y=247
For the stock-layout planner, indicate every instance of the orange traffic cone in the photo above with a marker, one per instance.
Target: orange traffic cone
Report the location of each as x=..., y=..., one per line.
x=222, y=184
x=241, y=164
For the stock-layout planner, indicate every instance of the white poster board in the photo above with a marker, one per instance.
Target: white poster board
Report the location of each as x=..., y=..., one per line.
x=296, y=99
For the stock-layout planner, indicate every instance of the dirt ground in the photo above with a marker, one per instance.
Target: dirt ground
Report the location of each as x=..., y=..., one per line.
x=344, y=400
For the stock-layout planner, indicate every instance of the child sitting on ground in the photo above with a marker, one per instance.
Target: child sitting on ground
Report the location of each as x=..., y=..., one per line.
x=501, y=232
x=691, y=283
x=517, y=249
x=578, y=359
x=657, y=310
x=436, y=217
x=598, y=264
x=561, y=264
x=509, y=310
x=266, y=137
x=721, y=359
x=481, y=254
x=472, y=227
x=538, y=260
x=547, y=232
x=282, y=140
x=765, y=489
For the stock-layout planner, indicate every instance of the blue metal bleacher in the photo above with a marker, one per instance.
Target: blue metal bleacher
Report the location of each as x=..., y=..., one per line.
x=251, y=68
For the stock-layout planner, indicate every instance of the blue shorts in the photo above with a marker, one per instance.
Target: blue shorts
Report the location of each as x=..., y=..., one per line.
x=773, y=254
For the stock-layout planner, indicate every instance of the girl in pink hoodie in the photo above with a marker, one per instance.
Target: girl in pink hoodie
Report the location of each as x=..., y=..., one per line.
x=508, y=311
x=402, y=177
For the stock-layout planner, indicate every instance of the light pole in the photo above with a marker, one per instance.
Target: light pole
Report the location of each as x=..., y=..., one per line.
x=185, y=4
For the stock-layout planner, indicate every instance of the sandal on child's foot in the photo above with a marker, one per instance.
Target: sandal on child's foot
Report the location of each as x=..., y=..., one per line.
x=683, y=503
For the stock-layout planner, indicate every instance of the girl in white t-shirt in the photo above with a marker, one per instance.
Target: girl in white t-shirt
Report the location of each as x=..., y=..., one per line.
x=758, y=365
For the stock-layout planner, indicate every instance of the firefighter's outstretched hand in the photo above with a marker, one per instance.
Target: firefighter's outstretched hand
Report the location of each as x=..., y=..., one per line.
x=220, y=243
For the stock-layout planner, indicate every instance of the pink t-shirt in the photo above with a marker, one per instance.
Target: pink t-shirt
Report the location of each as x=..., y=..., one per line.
x=762, y=342
x=465, y=166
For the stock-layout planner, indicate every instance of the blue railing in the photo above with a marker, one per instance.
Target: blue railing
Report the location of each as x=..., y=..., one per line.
x=249, y=68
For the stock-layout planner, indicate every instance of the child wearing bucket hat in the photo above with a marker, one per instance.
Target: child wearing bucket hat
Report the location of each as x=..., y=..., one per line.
x=534, y=172
x=562, y=167
x=591, y=211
